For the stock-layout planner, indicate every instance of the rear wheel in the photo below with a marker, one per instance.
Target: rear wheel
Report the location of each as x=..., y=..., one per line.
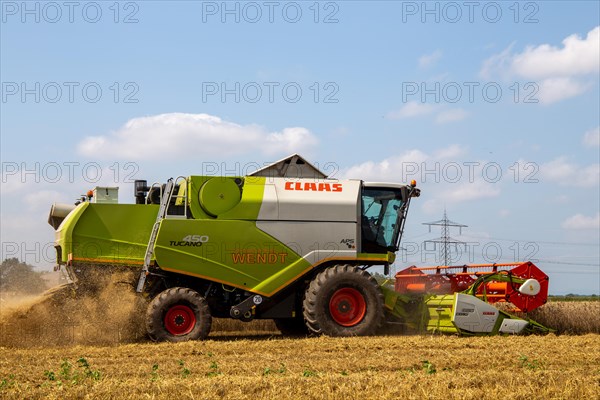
x=343, y=300
x=178, y=314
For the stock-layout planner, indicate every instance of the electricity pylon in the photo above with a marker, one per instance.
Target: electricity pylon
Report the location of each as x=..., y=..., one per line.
x=445, y=240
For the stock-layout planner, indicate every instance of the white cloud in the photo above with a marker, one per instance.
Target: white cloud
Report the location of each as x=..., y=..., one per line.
x=453, y=151
x=564, y=173
x=561, y=72
x=42, y=199
x=552, y=90
x=393, y=168
x=290, y=140
x=580, y=221
x=412, y=109
x=440, y=170
x=576, y=57
x=193, y=135
x=428, y=60
x=498, y=64
x=12, y=183
x=471, y=191
x=37, y=185
x=453, y=115
x=592, y=138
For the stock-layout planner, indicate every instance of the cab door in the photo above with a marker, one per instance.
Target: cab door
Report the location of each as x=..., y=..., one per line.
x=380, y=219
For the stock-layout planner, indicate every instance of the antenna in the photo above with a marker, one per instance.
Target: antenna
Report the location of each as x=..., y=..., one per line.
x=445, y=240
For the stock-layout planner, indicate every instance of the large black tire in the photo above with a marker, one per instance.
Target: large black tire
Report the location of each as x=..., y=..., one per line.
x=292, y=326
x=343, y=300
x=178, y=314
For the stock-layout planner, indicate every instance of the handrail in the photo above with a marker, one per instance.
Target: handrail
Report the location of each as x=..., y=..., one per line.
x=178, y=196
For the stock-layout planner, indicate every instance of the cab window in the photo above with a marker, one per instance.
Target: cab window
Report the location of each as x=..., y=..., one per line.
x=380, y=219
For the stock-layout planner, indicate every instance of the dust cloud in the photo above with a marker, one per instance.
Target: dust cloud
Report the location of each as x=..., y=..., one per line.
x=111, y=314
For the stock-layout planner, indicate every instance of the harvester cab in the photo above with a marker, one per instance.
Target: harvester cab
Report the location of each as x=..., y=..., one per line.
x=285, y=243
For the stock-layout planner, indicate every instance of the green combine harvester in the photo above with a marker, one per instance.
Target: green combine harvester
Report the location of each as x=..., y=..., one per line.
x=284, y=243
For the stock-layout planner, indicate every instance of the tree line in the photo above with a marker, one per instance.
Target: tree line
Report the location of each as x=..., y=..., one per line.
x=20, y=277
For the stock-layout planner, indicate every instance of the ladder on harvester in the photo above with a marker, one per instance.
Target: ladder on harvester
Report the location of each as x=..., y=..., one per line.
x=162, y=213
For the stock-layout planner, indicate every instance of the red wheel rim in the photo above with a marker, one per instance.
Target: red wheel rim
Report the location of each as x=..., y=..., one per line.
x=347, y=307
x=180, y=320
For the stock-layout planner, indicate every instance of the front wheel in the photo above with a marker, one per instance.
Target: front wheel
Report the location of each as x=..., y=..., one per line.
x=343, y=300
x=178, y=314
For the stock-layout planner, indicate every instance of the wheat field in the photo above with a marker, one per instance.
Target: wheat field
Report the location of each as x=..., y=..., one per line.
x=272, y=367
x=96, y=348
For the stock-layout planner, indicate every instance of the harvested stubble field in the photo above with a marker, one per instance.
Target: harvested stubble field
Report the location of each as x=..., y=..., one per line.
x=268, y=367
x=94, y=349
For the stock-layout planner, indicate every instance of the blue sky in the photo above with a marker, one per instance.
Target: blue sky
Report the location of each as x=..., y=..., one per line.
x=491, y=106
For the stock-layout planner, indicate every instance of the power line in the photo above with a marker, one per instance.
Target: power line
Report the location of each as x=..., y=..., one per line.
x=568, y=263
x=537, y=241
x=445, y=240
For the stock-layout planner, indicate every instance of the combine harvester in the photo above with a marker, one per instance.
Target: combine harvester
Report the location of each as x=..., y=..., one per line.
x=284, y=243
